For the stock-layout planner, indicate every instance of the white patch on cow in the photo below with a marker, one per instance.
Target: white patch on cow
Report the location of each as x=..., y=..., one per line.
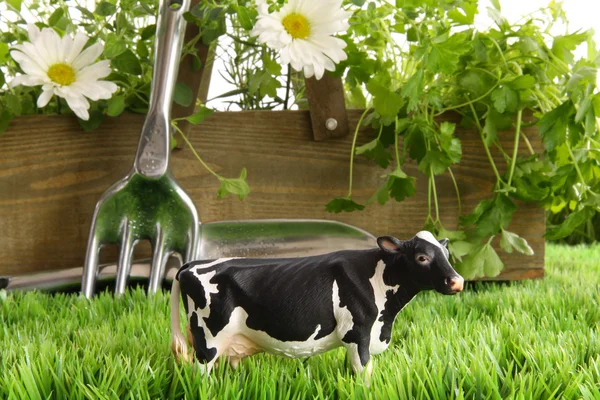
x=199, y=267
x=428, y=236
x=380, y=290
x=343, y=317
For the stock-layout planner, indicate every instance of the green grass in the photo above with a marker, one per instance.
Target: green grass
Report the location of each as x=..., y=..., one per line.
x=529, y=340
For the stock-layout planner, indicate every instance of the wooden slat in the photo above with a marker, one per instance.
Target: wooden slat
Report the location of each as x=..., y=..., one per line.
x=52, y=174
x=327, y=106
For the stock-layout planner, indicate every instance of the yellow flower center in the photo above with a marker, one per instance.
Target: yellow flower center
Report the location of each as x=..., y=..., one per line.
x=61, y=73
x=296, y=25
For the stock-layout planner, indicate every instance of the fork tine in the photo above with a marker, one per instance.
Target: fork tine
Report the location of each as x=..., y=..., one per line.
x=90, y=268
x=159, y=259
x=193, y=238
x=124, y=263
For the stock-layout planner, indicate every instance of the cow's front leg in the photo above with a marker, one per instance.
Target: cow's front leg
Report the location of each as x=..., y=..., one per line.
x=360, y=359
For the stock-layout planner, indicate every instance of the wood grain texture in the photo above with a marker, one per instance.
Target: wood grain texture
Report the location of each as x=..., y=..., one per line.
x=326, y=100
x=52, y=174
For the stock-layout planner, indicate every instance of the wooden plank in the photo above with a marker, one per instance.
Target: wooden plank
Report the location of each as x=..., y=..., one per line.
x=327, y=107
x=52, y=174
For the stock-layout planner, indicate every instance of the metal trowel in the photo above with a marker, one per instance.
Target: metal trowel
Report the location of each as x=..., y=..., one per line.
x=244, y=238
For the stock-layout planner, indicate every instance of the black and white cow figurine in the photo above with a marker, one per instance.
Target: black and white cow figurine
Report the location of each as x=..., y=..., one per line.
x=299, y=307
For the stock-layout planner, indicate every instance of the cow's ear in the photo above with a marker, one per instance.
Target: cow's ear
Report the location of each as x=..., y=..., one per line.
x=390, y=244
x=444, y=242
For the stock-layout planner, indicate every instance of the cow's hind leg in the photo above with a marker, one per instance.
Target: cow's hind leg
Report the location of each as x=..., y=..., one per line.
x=205, y=356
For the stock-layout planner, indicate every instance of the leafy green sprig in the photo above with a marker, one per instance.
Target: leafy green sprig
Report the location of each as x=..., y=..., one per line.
x=503, y=78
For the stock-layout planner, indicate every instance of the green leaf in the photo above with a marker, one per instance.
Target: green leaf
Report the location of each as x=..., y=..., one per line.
x=148, y=32
x=116, y=105
x=483, y=261
x=413, y=88
x=16, y=4
x=96, y=118
x=382, y=195
x=85, y=12
x=142, y=50
x=553, y=125
x=358, y=3
x=496, y=217
x=105, y=9
x=2, y=80
x=272, y=66
x=374, y=150
x=444, y=56
x=573, y=221
x=450, y=144
x=114, y=46
x=414, y=140
x=127, y=62
x=582, y=75
x=435, y=160
x=5, y=118
x=56, y=16
x=386, y=102
x=400, y=185
x=504, y=99
x=343, y=204
x=466, y=18
x=475, y=82
x=497, y=17
x=510, y=241
x=199, y=115
x=236, y=186
x=563, y=46
x=3, y=52
x=522, y=82
x=183, y=94
x=13, y=103
x=460, y=248
x=492, y=265
x=246, y=17
x=269, y=86
x=596, y=104
x=443, y=233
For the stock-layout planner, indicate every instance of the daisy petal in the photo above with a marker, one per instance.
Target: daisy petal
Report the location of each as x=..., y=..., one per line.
x=44, y=98
x=94, y=71
x=25, y=80
x=88, y=56
x=78, y=43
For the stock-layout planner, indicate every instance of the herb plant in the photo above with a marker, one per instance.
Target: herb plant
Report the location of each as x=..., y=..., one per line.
x=408, y=63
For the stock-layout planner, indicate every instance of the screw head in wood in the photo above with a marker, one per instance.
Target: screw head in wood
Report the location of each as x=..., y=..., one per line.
x=331, y=124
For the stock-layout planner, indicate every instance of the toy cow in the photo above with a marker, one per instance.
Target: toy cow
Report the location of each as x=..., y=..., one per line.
x=299, y=307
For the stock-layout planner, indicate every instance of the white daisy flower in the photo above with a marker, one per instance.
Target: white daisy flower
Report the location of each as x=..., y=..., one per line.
x=302, y=31
x=63, y=69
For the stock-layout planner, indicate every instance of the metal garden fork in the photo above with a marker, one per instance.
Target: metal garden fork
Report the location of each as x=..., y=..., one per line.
x=147, y=204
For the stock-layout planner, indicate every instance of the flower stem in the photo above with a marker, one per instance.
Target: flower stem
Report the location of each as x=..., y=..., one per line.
x=287, y=87
x=457, y=194
x=485, y=146
x=358, y=124
x=185, y=139
x=395, y=142
x=515, y=147
x=435, y=198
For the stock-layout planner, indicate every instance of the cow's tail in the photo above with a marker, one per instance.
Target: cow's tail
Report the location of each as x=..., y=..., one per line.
x=178, y=342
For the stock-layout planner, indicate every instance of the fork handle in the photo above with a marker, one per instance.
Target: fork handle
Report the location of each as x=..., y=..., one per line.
x=152, y=158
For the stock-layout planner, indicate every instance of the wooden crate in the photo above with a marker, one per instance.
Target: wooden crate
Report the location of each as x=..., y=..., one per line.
x=52, y=174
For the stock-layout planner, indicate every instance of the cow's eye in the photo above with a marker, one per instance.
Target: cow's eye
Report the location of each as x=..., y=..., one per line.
x=422, y=259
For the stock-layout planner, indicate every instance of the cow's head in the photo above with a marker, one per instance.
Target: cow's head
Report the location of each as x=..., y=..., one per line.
x=423, y=261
